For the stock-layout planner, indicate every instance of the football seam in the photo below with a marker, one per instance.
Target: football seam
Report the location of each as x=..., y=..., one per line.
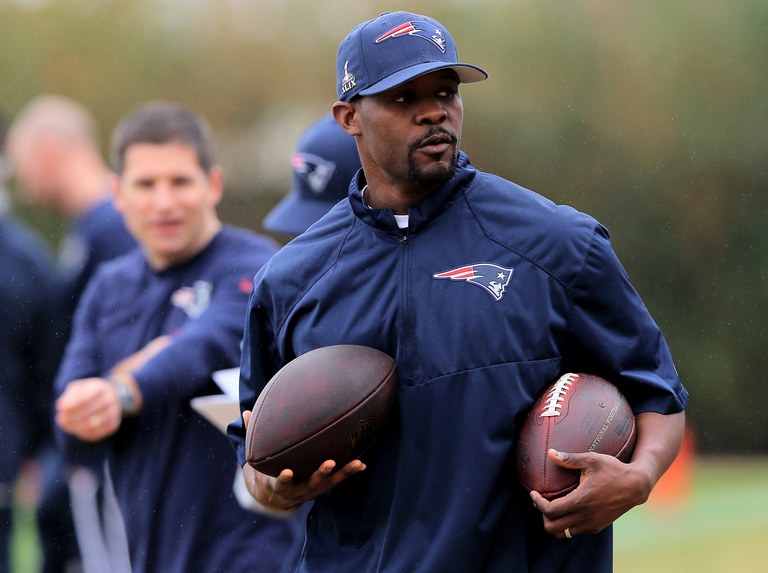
x=267, y=391
x=629, y=443
x=296, y=444
x=565, y=399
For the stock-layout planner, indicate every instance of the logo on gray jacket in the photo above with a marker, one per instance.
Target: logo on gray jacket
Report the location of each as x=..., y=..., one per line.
x=493, y=278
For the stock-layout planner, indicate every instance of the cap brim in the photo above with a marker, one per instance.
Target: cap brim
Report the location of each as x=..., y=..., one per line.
x=467, y=74
x=294, y=215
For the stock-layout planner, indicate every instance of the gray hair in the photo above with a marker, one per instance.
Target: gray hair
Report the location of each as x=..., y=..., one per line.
x=54, y=115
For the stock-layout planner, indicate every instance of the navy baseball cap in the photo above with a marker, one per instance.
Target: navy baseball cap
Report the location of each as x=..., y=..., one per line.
x=393, y=49
x=324, y=163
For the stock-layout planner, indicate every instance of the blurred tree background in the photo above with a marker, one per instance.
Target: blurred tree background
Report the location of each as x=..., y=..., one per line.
x=651, y=116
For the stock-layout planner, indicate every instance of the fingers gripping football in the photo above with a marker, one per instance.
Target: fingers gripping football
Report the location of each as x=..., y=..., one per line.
x=608, y=488
x=284, y=492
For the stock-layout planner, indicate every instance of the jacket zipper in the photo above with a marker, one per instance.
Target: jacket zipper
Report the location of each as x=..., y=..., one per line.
x=405, y=318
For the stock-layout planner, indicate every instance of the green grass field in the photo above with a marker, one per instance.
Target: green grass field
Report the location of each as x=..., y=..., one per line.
x=25, y=552
x=719, y=527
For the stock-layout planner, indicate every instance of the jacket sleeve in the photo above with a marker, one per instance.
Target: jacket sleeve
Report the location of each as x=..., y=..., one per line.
x=204, y=344
x=612, y=334
x=259, y=362
x=82, y=356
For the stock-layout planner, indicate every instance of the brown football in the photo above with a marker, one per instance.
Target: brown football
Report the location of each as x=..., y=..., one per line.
x=327, y=404
x=578, y=413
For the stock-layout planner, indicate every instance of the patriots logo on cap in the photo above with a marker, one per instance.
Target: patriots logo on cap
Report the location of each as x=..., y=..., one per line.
x=418, y=29
x=315, y=171
x=493, y=278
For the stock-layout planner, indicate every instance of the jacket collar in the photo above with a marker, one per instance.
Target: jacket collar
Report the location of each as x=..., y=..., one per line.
x=422, y=214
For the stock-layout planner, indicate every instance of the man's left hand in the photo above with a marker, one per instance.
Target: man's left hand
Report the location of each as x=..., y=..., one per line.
x=608, y=488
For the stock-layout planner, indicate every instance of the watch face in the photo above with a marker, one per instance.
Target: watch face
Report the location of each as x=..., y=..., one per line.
x=126, y=398
x=124, y=395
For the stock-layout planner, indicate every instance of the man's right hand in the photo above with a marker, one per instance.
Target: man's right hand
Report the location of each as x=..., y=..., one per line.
x=89, y=409
x=282, y=493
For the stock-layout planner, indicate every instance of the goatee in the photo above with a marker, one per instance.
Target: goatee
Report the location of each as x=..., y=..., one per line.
x=436, y=175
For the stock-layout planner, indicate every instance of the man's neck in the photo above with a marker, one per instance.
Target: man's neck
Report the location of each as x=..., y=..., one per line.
x=397, y=199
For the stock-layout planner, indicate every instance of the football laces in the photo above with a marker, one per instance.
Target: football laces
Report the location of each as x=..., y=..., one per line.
x=555, y=398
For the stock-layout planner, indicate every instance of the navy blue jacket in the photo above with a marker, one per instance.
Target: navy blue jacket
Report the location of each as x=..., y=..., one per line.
x=174, y=471
x=31, y=342
x=491, y=294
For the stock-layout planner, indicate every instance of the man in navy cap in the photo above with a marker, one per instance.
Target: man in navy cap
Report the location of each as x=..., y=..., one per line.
x=323, y=165
x=397, y=267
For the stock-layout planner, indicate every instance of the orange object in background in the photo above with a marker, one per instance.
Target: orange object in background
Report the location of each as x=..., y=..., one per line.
x=674, y=488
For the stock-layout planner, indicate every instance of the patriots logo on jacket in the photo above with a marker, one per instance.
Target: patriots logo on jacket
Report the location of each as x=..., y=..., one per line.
x=418, y=29
x=315, y=171
x=193, y=300
x=493, y=278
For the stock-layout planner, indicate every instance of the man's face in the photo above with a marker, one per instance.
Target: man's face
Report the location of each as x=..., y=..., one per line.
x=411, y=133
x=39, y=161
x=168, y=201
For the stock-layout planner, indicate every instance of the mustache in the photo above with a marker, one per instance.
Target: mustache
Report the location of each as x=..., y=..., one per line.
x=438, y=132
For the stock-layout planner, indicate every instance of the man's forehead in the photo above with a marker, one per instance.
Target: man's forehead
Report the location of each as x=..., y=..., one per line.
x=146, y=150
x=160, y=156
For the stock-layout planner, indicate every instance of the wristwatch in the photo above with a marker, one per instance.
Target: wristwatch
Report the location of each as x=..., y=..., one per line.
x=124, y=395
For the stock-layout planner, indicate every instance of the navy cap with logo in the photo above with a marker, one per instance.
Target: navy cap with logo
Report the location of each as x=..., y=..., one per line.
x=393, y=49
x=323, y=165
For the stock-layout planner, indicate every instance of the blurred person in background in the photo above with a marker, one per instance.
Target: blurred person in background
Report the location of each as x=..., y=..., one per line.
x=58, y=164
x=323, y=164
x=149, y=332
x=30, y=341
x=54, y=150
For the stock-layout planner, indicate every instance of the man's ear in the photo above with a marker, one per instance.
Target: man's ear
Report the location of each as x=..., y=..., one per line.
x=216, y=184
x=346, y=116
x=115, y=186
